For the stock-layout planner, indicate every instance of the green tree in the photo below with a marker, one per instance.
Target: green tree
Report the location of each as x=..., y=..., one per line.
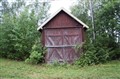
x=18, y=31
x=107, y=28
x=108, y=25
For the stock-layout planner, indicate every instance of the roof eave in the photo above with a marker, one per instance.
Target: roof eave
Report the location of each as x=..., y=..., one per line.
x=41, y=27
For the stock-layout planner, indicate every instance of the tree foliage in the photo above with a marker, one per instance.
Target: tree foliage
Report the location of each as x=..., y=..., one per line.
x=37, y=54
x=107, y=29
x=18, y=30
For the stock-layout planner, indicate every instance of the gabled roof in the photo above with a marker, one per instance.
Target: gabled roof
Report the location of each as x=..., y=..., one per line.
x=62, y=9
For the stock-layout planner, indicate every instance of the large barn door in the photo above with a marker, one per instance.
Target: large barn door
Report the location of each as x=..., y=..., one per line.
x=60, y=44
x=71, y=37
x=53, y=42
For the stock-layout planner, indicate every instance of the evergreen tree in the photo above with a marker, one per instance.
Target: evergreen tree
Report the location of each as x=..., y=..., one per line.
x=18, y=31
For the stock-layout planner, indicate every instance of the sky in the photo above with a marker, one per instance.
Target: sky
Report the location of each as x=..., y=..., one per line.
x=55, y=4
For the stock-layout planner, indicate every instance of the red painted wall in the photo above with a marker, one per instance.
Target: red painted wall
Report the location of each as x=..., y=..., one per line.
x=65, y=30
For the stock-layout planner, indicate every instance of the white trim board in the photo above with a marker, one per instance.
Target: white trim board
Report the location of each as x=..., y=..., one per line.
x=62, y=9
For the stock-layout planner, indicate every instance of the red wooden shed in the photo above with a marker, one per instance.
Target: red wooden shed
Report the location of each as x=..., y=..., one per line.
x=60, y=34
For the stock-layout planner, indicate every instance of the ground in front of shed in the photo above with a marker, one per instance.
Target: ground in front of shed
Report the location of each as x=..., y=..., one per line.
x=10, y=69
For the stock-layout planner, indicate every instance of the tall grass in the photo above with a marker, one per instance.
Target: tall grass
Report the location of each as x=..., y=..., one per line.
x=19, y=70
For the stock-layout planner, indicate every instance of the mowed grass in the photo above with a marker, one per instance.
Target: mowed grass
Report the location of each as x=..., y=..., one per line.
x=10, y=69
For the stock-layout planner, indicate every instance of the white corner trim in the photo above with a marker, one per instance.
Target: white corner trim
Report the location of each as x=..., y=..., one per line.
x=41, y=27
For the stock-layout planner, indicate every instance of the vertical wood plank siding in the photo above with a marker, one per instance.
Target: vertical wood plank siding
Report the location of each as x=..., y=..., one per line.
x=60, y=35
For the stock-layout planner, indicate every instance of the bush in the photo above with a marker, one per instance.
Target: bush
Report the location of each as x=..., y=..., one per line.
x=101, y=50
x=36, y=55
x=93, y=55
x=108, y=43
x=115, y=54
x=18, y=34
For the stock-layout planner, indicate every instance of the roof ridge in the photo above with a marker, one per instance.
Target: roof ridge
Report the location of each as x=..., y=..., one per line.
x=41, y=27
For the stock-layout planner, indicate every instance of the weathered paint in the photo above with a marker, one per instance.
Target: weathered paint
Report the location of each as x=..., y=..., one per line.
x=62, y=20
x=60, y=35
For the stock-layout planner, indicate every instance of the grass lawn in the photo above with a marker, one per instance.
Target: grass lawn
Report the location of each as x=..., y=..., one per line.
x=10, y=69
